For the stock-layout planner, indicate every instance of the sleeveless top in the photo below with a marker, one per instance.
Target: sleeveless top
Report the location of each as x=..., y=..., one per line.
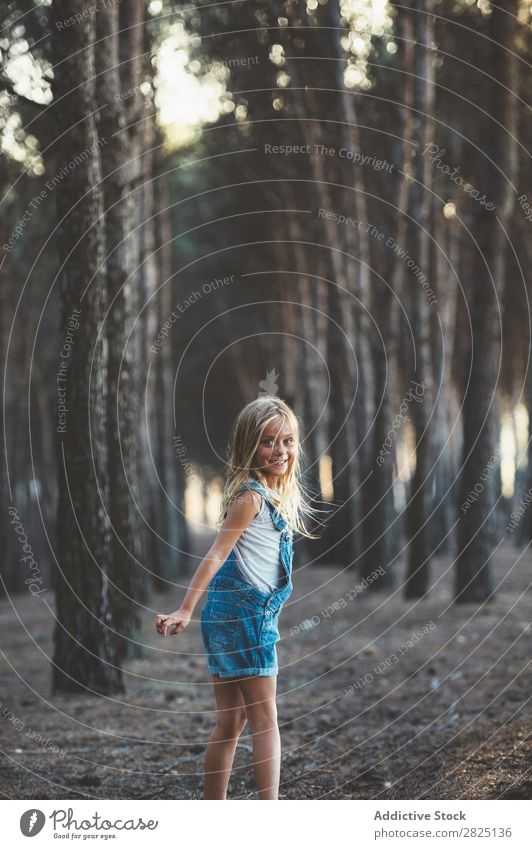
x=257, y=552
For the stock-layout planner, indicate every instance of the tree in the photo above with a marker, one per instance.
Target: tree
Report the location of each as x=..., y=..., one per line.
x=85, y=642
x=120, y=131
x=496, y=173
x=419, y=511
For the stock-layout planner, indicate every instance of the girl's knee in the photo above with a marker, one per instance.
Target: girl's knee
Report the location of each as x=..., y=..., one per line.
x=262, y=716
x=231, y=721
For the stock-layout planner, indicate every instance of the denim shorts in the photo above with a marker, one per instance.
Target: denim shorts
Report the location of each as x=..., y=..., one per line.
x=239, y=628
x=239, y=623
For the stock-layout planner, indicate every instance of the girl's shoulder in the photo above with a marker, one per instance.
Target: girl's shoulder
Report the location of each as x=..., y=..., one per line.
x=245, y=494
x=263, y=494
x=270, y=498
x=255, y=493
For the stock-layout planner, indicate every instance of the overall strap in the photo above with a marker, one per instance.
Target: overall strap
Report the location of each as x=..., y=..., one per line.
x=278, y=520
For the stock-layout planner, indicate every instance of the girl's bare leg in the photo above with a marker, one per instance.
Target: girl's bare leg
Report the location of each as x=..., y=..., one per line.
x=259, y=697
x=230, y=722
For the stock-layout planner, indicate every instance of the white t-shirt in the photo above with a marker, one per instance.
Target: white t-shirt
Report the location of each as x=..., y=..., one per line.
x=257, y=552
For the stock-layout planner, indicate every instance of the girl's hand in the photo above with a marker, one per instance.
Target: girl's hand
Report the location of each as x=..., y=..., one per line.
x=177, y=622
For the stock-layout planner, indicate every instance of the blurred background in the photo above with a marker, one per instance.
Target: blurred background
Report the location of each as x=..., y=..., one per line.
x=330, y=201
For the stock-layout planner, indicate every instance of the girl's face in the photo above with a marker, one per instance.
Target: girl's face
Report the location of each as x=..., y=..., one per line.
x=277, y=449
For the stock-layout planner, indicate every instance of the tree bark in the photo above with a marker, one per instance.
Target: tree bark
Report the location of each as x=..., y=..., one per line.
x=120, y=165
x=446, y=263
x=419, y=508
x=86, y=656
x=497, y=174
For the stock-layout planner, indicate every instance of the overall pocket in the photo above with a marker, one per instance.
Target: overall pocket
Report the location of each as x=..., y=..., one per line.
x=220, y=624
x=242, y=601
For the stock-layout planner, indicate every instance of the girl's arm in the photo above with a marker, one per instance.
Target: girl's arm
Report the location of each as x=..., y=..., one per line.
x=240, y=513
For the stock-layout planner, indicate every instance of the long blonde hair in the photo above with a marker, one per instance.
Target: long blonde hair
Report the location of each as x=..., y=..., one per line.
x=289, y=499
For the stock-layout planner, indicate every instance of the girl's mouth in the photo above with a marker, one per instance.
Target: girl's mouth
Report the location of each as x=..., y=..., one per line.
x=279, y=463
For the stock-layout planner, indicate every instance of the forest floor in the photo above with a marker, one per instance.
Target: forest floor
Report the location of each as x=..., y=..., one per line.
x=363, y=714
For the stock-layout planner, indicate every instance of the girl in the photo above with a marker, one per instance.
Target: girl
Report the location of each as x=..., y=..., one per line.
x=248, y=573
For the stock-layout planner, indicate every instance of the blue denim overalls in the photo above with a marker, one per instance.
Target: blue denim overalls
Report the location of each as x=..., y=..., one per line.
x=239, y=621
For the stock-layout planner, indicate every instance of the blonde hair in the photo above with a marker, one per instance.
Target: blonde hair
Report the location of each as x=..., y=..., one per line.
x=289, y=499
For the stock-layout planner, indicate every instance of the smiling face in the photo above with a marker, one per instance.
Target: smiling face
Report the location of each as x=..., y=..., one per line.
x=277, y=449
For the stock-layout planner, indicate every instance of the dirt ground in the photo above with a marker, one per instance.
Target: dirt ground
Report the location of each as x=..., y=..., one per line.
x=377, y=698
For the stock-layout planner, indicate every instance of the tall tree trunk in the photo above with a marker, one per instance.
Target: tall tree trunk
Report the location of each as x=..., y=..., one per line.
x=525, y=535
x=477, y=530
x=375, y=503
x=122, y=277
x=443, y=323
x=313, y=330
x=342, y=540
x=389, y=296
x=173, y=479
x=311, y=299
x=421, y=492
x=344, y=525
x=85, y=644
